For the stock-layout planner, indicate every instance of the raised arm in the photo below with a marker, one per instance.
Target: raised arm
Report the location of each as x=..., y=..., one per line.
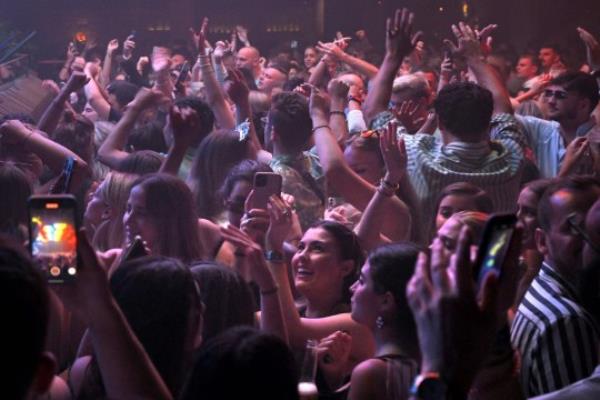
x=53, y=155
x=113, y=45
x=340, y=177
x=214, y=94
x=338, y=94
x=94, y=94
x=357, y=64
x=64, y=72
x=376, y=214
x=49, y=120
x=399, y=42
x=469, y=48
x=111, y=151
x=184, y=123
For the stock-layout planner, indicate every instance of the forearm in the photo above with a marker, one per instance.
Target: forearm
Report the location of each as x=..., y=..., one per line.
x=318, y=74
x=127, y=371
x=337, y=120
x=488, y=78
x=111, y=151
x=173, y=160
x=163, y=83
x=214, y=95
x=270, y=304
x=65, y=71
x=51, y=117
x=330, y=153
x=290, y=314
x=381, y=87
x=360, y=66
x=106, y=70
x=96, y=99
x=381, y=212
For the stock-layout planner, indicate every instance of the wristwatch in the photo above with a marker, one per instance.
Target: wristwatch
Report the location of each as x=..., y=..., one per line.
x=429, y=386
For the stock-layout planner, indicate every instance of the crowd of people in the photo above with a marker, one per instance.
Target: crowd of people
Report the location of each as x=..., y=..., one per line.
x=389, y=174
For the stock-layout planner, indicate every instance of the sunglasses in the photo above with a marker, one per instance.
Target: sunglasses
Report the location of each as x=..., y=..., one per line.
x=557, y=94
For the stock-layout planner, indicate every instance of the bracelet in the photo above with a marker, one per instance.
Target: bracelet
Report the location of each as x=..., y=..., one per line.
x=389, y=185
x=343, y=114
x=319, y=127
x=267, y=292
x=274, y=256
x=385, y=191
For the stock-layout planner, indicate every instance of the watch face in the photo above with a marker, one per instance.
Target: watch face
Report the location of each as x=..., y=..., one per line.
x=431, y=389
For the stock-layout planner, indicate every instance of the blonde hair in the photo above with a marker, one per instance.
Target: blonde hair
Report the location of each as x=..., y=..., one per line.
x=114, y=192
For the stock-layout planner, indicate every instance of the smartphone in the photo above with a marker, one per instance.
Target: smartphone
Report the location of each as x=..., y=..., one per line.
x=494, y=244
x=132, y=35
x=135, y=250
x=53, y=230
x=266, y=184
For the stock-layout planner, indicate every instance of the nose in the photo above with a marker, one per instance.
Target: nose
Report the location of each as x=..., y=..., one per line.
x=354, y=286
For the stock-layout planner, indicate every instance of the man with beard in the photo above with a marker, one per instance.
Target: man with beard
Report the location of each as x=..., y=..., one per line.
x=570, y=100
x=554, y=330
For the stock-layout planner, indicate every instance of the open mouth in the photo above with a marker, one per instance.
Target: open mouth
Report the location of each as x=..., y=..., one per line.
x=304, y=273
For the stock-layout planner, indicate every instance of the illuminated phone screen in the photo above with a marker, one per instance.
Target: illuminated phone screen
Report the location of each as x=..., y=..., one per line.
x=496, y=250
x=54, y=241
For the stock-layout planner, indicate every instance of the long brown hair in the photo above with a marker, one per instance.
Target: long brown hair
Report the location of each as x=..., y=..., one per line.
x=171, y=204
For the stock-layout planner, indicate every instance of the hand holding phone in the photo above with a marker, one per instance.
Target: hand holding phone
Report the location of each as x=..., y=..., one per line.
x=494, y=245
x=266, y=184
x=53, y=231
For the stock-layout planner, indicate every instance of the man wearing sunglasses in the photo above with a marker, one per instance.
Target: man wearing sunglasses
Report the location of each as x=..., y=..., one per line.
x=568, y=101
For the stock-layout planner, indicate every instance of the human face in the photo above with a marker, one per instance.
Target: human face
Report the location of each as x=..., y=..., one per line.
x=234, y=204
x=138, y=221
x=310, y=57
x=270, y=78
x=527, y=214
x=592, y=228
x=526, y=69
x=246, y=58
x=449, y=232
x=97, y=209
x=365, y=163
x=452, y=204
x=561, y=245
x=561, y=104
x=365, y=301
x=548, y=57
x=317, y=267
x=177, y=60
x=90, y=113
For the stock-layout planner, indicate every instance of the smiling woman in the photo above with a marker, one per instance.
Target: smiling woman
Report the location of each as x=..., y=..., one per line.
x=325, y=266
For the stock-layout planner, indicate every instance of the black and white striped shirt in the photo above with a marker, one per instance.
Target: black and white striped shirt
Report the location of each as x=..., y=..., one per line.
x=557, y=338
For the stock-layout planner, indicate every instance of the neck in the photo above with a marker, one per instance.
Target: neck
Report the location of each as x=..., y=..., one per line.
x=322, y=305
x=570, y=126
x=278, y=150
x=387, y=342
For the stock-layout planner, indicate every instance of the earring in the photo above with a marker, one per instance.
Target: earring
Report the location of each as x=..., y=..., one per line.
x=379, y=322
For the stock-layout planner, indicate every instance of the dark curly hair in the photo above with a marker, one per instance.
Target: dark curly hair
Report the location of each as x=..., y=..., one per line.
x=465, y=110
x=581, y=83
x=205, y=114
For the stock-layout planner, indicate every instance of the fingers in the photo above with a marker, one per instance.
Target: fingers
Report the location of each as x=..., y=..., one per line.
x=439, y=267
x=462, y=264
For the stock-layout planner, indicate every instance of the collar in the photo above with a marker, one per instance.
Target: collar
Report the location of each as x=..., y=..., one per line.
x=468, y=151
x=548, y=273
x=584, y=128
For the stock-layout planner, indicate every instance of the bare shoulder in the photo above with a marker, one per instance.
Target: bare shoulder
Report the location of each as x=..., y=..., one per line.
x=368, y=380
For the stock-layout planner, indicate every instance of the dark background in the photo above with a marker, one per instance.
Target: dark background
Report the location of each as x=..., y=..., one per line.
x=524, y=24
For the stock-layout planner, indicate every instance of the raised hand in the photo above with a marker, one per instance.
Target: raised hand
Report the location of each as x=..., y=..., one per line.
x=76, y=81
x=399, y=39
x=577, y=152
x=394, y=153
x=199, y=37
x=146, y=98
x=331, y=50
x=51, y=86
x=338, y=89
x=592, y=48
x=318, y=105
x=220, y=48
x=128, y=46
x=185, y=123
x=485, y=38
x=468, y=45
x=71, y=51
x=112, y=46
x=242, y=34
x=406, y=116
x=333, y=353
x=280, y=223
x=160, y=59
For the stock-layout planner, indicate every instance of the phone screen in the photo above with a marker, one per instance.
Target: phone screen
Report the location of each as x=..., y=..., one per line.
x=53, y=238
x=496, y=248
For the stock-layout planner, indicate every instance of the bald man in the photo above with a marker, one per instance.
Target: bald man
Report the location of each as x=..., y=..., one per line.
x=249, y=58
